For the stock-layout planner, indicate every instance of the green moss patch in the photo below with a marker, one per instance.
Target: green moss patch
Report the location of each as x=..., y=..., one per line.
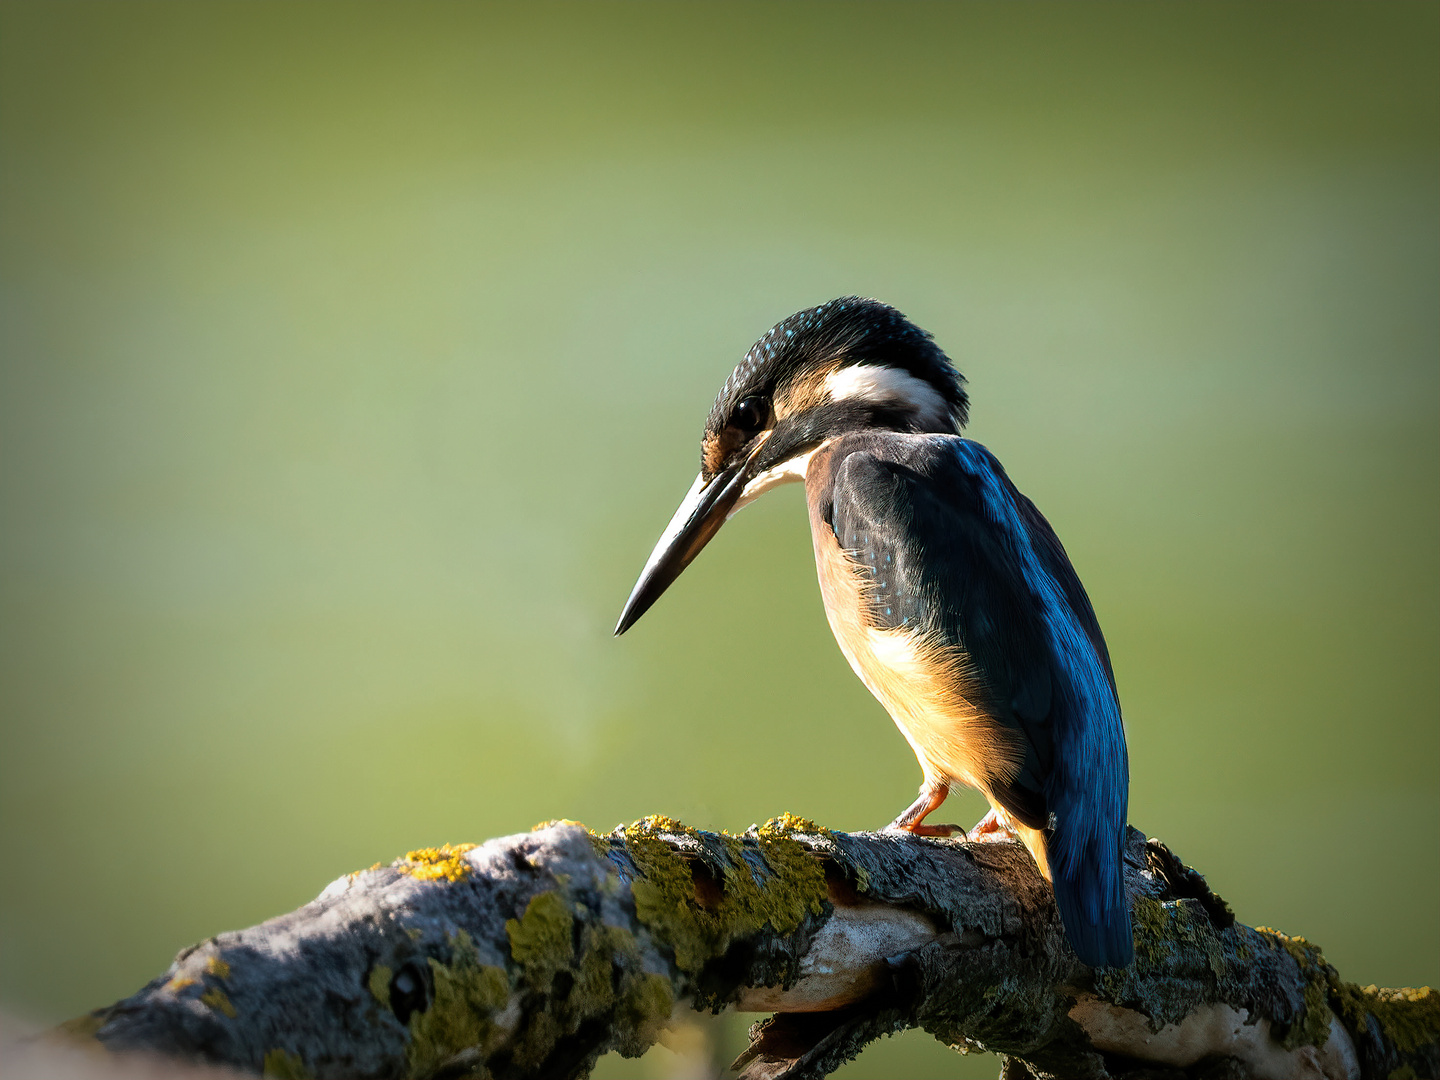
x=541, y=940
x=282, y=1065
x=678, y=901
x=601, y=977
x=1161, y=926
x=466, y=997
x=1409, y=1017
x=379, y=983
x=217, y=1000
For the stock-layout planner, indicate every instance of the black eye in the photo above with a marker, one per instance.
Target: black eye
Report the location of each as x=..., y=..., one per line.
x=750, y=414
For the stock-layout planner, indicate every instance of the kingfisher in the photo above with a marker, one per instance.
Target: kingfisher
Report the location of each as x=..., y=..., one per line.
x=946, y=589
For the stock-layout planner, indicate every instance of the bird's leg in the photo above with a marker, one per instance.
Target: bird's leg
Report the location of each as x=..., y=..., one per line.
x=992, y=827
x=911, y=821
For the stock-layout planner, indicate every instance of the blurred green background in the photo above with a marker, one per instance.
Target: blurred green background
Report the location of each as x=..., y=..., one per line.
x=353, y=357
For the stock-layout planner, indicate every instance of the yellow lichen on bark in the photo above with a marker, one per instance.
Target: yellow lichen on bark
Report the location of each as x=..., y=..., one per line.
x=446, y=862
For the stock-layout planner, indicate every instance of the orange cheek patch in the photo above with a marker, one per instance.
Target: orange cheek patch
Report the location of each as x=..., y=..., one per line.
x=804, y=393
x=712, y=455
x=716, y=448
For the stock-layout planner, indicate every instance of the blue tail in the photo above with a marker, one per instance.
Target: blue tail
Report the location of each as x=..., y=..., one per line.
x=1087, y=869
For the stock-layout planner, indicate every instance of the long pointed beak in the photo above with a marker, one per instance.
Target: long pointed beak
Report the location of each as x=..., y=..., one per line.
x=700, y=516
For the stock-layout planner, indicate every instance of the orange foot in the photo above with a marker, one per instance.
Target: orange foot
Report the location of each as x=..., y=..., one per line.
x=912, y=820
x=992, y=827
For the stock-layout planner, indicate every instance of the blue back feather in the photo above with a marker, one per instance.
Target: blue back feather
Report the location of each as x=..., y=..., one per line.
x=1088, y=788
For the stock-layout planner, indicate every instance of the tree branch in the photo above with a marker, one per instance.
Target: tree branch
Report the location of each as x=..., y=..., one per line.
x=532, y=955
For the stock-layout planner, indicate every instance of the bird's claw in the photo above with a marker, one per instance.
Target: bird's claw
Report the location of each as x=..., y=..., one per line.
x=940, y=830
x=991, y=827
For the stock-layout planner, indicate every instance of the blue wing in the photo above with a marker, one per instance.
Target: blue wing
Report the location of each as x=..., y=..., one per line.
x=957, y=552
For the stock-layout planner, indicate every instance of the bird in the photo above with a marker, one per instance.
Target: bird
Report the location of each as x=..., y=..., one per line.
x=946, y=589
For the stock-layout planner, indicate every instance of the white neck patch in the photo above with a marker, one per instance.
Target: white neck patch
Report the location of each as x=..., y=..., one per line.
x=883, y=385
x=787, y=472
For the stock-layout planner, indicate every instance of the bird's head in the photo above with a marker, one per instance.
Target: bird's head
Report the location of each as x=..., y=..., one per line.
x=846, y=366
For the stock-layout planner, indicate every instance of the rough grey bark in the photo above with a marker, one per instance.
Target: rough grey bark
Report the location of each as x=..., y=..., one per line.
x=532, y=955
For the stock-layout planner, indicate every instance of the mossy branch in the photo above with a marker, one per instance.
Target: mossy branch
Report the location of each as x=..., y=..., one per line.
x=532, y=955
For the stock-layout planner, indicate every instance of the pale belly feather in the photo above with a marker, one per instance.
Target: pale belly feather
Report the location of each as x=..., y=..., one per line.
x=929, y=690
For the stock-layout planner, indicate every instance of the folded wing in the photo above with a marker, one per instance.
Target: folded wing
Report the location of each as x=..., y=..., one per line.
x=960, y=557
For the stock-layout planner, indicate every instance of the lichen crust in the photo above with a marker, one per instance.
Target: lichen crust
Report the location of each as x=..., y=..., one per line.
x=699, y=923
x=219, y=1001
x=445, y=863
x=1408, y=1016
